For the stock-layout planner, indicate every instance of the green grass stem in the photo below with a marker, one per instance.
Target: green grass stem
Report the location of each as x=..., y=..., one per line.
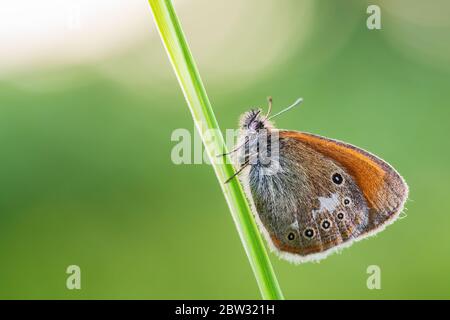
x=195, y=94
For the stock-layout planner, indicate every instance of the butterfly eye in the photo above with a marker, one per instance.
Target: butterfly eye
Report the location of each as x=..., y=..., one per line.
x=341, y=216
x=291, y=236
x=337, y=178
x=309, y=233
x=325, y=224
x=347, y=201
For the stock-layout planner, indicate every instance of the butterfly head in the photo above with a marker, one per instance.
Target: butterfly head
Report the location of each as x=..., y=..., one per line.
x=255, y=121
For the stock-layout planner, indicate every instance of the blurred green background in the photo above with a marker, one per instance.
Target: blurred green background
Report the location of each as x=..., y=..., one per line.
x=85, y=171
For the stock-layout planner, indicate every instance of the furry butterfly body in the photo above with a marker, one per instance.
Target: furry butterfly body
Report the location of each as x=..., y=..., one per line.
x=323, y=195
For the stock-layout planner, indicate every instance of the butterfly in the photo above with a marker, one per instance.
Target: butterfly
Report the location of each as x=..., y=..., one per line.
x=313, y=195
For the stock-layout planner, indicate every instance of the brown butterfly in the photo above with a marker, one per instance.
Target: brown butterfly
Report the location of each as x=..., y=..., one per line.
x=315, y=195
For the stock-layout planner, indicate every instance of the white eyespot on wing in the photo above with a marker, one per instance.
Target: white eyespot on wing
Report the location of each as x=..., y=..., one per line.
x=294, y=225
x=327, y=204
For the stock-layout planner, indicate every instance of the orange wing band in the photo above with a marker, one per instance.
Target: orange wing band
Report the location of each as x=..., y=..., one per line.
x=364, y=167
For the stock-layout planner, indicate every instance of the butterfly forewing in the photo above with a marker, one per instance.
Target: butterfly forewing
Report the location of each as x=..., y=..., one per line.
x=325, y=195
x=383, y=188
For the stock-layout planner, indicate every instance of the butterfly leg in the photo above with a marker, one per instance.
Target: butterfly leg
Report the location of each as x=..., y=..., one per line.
x=235, y=149
x=246, y=163
x=230, y=152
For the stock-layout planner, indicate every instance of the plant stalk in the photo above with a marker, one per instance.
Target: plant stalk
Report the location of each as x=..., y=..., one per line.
x=195, y=94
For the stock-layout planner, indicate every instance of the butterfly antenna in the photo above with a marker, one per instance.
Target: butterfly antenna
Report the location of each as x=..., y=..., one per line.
x=297, y=102
x=269, y=102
